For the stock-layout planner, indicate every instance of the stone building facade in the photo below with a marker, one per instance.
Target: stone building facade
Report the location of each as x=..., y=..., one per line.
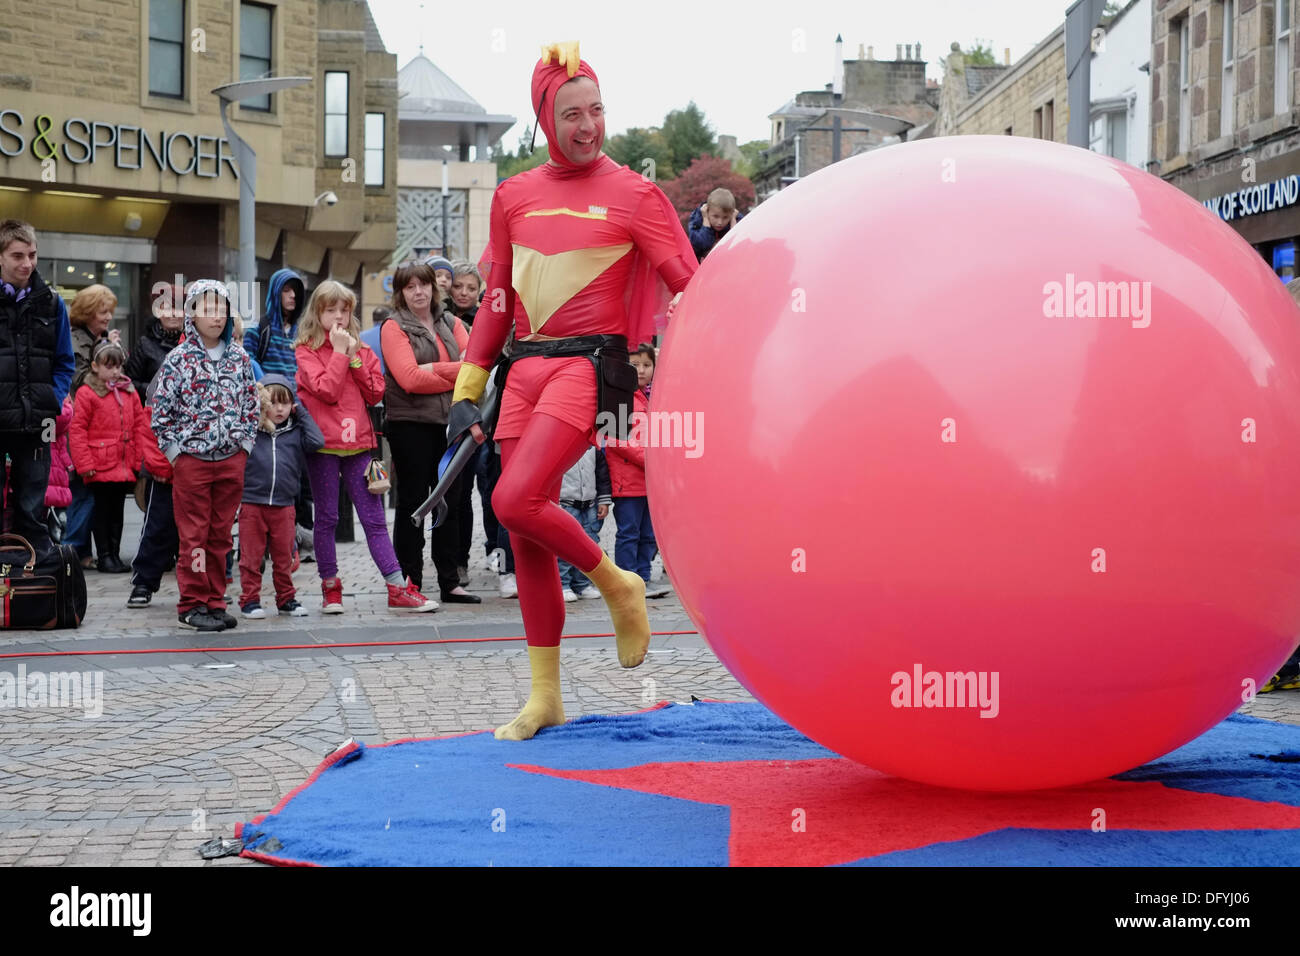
x=882, y=101
x=1028, y=98
x=111, y=141
x=1225, y=127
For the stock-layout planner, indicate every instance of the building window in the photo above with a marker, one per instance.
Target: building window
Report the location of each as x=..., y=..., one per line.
x=1282, y=61
x=1109, y=134
x=336, y=113
x=374, y=149
x=167, y=48
x=1228, y=106
x=1044, y=121
x=1184, y=90
x=255, y=50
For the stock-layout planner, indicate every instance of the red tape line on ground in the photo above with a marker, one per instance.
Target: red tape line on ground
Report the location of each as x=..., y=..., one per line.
x=302, y=647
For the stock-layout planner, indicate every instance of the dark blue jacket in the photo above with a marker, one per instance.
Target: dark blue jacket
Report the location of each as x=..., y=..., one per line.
x=277, y=465
x=703, y=236
x=269, y=344
x=36, y=356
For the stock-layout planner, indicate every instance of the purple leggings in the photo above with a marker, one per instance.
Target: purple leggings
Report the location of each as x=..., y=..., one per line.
x=323, y=473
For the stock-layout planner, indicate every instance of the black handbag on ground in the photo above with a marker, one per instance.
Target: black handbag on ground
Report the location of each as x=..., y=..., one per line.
x=44, y=592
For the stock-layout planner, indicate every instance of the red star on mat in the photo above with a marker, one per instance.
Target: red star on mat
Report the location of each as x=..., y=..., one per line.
x=851, y=812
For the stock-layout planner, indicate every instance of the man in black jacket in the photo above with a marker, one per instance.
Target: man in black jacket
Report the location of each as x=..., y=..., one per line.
x=36, y=365
x=159, y=338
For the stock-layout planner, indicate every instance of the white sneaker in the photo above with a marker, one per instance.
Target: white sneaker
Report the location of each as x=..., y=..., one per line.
x=590, y=594
x=508, y=587
x=569, y=596
x=496, y=561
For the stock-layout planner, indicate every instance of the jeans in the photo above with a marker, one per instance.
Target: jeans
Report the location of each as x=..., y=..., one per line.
x=29, y=473
x=634, y=545
x=571, y=577
x=495, y=533
x=81, y=517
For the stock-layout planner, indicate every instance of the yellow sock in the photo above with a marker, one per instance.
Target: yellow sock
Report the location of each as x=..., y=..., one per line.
x=624, y=592
x=544, y=708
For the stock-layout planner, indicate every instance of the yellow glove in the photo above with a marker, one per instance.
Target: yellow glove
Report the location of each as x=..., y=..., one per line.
x=565, y=54
x=469, y=383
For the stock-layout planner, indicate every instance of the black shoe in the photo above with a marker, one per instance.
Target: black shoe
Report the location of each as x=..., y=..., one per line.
x=450, y=598
x=140, y=596
x=198, y=619
x=112, y=564
x=224, y=618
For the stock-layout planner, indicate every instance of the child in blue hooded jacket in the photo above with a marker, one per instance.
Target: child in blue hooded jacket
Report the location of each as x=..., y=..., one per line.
x=270, y=343
x=272, y=477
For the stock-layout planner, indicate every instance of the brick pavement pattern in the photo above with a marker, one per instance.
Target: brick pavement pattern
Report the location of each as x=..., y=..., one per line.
x=189, y=744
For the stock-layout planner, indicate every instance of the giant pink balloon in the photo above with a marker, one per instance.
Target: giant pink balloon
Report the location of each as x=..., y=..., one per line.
x=916, y=459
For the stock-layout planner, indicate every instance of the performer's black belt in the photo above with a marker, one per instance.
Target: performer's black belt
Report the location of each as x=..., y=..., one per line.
x=616, y=378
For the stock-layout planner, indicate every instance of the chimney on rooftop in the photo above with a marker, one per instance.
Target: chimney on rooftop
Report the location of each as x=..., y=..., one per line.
x=918, y=51
x=909, y=51
x=898, y=51
x=871, y=53
x=861, y=54
x=837, y=70
x=1006, y=56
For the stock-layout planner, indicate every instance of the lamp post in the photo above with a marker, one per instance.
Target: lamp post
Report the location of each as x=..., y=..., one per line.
x=246, y=161
x=446, y=243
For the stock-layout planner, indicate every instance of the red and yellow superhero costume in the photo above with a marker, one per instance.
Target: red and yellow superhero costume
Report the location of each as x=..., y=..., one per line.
x=572, y=251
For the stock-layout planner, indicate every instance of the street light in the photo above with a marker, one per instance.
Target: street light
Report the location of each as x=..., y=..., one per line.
x=246, y=160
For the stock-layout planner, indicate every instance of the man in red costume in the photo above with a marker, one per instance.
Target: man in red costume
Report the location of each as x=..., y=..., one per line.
x=572, y=245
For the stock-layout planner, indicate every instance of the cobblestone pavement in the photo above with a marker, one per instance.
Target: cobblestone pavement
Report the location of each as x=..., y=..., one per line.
x=188, y=744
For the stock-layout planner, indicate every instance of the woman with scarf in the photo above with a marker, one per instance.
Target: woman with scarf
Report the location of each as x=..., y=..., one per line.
x=575, y=249
x=422, y=348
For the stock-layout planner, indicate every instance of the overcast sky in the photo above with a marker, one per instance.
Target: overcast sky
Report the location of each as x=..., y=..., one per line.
x=739, y=63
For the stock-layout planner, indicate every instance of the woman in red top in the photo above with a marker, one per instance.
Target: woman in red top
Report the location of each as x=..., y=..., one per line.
x=571, y=244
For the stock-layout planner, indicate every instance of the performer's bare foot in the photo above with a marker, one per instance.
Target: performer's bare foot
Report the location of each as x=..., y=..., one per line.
x=544, y=708
x=624, y=593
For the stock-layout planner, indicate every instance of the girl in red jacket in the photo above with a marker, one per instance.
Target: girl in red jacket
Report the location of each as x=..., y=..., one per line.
x=105, y=453
x=338, y=378
x=634, y=544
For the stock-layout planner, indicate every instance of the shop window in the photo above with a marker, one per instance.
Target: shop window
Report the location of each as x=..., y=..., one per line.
x=69, y=276
x=336, y=113
x=1228, y=87
x=255, y=50
x=167, y=48
x=1284, y=260
x=374, y=149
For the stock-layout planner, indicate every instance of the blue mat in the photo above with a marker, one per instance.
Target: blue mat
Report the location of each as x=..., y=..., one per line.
x=715, y=784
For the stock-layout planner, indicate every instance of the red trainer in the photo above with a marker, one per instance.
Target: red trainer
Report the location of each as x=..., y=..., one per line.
x=332, y=588
x=409, y=598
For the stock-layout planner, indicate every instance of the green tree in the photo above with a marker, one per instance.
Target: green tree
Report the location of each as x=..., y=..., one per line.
x=633, y=147
x=981, y=54
x=749, y=163
x=688, y=135
x=517, y=164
